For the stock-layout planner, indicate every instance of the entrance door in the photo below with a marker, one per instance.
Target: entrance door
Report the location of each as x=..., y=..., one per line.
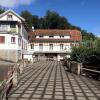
x=51, y=56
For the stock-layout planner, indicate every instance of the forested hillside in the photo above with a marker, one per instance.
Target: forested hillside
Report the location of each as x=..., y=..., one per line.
x=52, y=20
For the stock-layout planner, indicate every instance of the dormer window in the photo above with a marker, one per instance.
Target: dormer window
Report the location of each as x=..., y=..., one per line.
x=51, y=36
x=61, y=36
x=40, y=36
x=9, y=17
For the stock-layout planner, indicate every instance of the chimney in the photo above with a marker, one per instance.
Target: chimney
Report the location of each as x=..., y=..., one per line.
x=33, y=28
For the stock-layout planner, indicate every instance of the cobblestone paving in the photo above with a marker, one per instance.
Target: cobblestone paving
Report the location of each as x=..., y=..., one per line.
x=49, y=81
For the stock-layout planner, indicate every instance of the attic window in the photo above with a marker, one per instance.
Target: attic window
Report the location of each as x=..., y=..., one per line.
x=9, y=17
x=61, y=36
x=12, y=25
x=51, y=36
x=41, y=36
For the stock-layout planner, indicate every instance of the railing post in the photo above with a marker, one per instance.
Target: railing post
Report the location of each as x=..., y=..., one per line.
x=15, y=78
x=16, y=73
x=79, y=68
x=21, y=66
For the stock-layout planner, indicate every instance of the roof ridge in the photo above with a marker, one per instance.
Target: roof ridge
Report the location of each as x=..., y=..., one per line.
x=10, y=10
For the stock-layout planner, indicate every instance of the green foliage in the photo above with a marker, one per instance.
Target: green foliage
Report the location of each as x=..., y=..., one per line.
x=2, y=10
x=52, y=20
x=88, y=53
x=87, y=36
x=28, y=18
x=35, y=21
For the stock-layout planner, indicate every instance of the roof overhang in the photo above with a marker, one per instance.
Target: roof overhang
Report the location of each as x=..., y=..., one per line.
x=6, y=12
x=50, y=52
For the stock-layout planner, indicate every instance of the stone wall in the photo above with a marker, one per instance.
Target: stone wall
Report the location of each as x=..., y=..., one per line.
x=10, y=55
x=74, y=67
x=11, y=79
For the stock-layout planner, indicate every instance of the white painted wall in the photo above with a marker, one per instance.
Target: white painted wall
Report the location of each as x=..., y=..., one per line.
x=56, y=47
x=23, y=35
x=15, y=18
x=29, y=57
x=46, y=37
x=66, y=37
x=55, y=37
x=37, y=37
x=8, y=44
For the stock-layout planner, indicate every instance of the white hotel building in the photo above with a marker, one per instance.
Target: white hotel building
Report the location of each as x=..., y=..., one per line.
x=13, y=36
x=53, y=44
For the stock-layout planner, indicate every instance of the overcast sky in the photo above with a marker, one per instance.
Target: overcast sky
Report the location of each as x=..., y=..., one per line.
x=82, y=13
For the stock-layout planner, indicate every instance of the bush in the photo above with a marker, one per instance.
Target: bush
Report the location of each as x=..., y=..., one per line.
x=87, y=53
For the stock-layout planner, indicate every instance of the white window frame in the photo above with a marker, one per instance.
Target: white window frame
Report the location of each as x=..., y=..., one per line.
x=50, y=46
x=40, y=47
x=13, y=40
x=61, y=46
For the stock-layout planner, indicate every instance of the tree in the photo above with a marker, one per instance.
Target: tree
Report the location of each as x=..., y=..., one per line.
x=87, y=36
x=28, y=18
x=63, y=23
x=42, y=23
x=88, y=53
x=52, y=20
x=35, y=22
x=2, y=10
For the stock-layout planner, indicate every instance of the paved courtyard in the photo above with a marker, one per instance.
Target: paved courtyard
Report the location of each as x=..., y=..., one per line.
x=49, y=81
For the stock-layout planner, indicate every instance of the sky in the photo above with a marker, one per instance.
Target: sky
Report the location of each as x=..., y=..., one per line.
x=82, y=13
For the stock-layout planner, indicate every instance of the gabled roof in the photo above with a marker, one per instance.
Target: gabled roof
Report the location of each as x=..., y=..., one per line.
x=11, y=11
x=74, y=34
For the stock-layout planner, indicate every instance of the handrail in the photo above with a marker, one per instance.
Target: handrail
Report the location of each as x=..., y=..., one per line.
x=91, y=70
x=12, y=75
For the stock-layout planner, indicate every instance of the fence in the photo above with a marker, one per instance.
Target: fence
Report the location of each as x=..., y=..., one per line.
x=91, y=71
x=80, y=69
x=74, y=67
x=12, y=78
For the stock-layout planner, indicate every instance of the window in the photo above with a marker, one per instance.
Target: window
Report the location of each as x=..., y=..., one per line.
x=12, y=25
x=41, y=36
x=2, y=39
x=32, y=46
x=26, y=46
x=3, y=27
x=51, y=36
x=61, y=36
x=22, y=44
x=9, y=17
x=19, y=41
x=51, y=47
x=40, y=46
x=13, y=40
x=61, y=46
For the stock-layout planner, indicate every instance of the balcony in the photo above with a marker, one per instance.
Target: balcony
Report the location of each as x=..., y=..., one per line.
x=13, y=30
x=6, y=29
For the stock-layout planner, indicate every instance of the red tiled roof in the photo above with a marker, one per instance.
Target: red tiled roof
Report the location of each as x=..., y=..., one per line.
x=75, y=34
